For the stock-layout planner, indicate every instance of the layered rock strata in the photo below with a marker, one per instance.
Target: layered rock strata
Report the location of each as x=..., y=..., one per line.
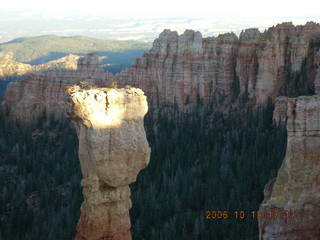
x=112, y=150
x=295, y=194
x=28, y=98
x=182, y=68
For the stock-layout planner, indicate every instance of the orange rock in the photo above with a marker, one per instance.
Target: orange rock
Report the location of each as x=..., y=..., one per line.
x=297, y=186
x=113, y=148
x=183, y=68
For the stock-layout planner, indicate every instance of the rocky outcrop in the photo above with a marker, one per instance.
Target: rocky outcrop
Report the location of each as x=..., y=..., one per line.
x=9, y=67
x=112, y=150
x=68, y=62
x=28, y=98
x=182, y=68
x=295, y=194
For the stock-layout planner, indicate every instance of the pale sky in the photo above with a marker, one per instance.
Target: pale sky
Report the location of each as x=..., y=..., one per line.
x=167, y=8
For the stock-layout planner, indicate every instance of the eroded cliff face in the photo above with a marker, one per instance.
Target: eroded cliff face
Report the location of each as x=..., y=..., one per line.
x=112, y=150
x=28, y=98
x=295, y=193
x=257, y=64
x=184, y=68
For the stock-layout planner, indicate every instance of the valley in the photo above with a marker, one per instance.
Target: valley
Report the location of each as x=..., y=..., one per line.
x=232, y=123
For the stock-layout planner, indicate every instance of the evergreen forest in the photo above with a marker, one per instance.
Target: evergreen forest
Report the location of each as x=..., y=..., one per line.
x=202, y=162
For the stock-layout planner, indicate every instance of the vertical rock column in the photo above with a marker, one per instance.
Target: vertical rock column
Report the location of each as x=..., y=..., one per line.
x=291, y=208
x=113, y=148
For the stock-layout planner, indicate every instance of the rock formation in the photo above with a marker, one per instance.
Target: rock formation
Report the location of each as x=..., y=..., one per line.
x=257, y=64
x=183, y=68
x=178, y=68
x=9, y=67
x=112, y=150
x=295, y=194
x=28, y=98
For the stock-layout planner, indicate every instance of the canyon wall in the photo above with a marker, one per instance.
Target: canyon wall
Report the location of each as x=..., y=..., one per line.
x=28, y=98
x=182, y=68
x=113, y=148
x=291, y=208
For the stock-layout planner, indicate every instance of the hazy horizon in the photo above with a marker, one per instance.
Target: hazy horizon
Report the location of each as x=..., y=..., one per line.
x=168, y=8
x=143, y=20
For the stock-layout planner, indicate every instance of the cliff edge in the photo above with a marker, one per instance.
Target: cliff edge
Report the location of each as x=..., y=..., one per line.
x=182, y=69
x=257, y=65
x=113, y=148
x=291, y=208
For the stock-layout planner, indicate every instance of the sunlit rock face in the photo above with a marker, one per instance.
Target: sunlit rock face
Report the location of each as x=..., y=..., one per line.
x=112, y=150
x=182, y=68
x=9, y=67
x=297, y=186
x=28, y=98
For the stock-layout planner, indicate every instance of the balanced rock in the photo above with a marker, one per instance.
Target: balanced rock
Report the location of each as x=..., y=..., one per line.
x=113, y=148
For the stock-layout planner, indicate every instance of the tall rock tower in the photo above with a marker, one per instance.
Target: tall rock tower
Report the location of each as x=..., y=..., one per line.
x=113, y=148
x=291, y=207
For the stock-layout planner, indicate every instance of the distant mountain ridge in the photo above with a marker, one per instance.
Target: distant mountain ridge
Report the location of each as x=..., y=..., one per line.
x=9, y=67
x=40, y=49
